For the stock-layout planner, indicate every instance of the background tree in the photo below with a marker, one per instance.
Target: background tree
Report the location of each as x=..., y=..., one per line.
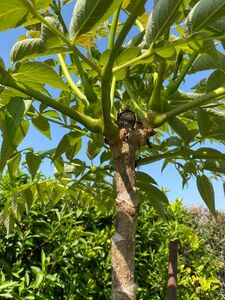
x=139, y=78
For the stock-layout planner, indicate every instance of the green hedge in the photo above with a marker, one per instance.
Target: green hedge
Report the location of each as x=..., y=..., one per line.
x=63, y=253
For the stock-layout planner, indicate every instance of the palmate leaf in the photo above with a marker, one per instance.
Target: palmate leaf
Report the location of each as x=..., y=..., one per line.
x=163, y=15
x=204, y=13
x=206, y=191
x=88, y=14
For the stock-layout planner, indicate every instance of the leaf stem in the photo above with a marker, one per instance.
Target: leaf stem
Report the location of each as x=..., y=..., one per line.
x=73, y=86
x=114, y=26
x=94, y=125
x=174, y=85
x=155, y=102
x=110, y=128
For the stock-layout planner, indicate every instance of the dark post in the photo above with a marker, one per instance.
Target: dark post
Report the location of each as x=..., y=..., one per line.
x=172, y=271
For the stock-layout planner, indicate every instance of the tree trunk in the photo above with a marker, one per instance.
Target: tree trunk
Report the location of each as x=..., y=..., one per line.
x=127, y=204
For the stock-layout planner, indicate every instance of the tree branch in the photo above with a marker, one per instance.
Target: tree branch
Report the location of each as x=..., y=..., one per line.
x=110, y=128
x=214, y=95
x=94, y=125
x=183, y=154
x=174, y=85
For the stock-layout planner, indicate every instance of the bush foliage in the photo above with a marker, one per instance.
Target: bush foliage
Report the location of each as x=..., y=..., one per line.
x=63, y=252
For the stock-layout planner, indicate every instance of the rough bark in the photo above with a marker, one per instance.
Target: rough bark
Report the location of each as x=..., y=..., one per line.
x=127, y=204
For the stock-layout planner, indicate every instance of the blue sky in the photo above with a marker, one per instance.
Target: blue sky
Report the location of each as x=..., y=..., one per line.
x=169, y=178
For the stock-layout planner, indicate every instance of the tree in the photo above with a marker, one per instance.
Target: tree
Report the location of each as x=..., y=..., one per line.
x=122, y=94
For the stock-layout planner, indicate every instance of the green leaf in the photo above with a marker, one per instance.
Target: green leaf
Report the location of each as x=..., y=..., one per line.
x=39, y=72
x=56, y=195
x=26, y=48
x=163, y=15
x=33, y=162
x=42, y=3
x=12, y=14
x=204, y=123
x=214, y=166
x=42, y=125
x=207, y=62
x=204, y=13
x=69, y=141
x=88, y=14
x=31, y=48
x=215, y=80
x=152, y=191
x=28, y=196
x=52, y=114
x=206, y=191
x=141, y=176
x=14, y=114
x=127, y=54
x=13, y=164
x=50, y=39
x=94, y=146
x=179, y=127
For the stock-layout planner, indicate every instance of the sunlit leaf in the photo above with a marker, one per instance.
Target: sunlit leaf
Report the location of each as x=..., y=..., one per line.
x=39, y=72
x=88, y=14
x=33, y=162
x=204, y=13
x=206, y=191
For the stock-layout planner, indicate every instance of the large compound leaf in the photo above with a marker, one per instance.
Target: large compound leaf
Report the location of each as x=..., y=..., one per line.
x=39, y=72
x=88, y=14
x=12, y=14
x=206, y=191
x=204, y=13
x=162, y=17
